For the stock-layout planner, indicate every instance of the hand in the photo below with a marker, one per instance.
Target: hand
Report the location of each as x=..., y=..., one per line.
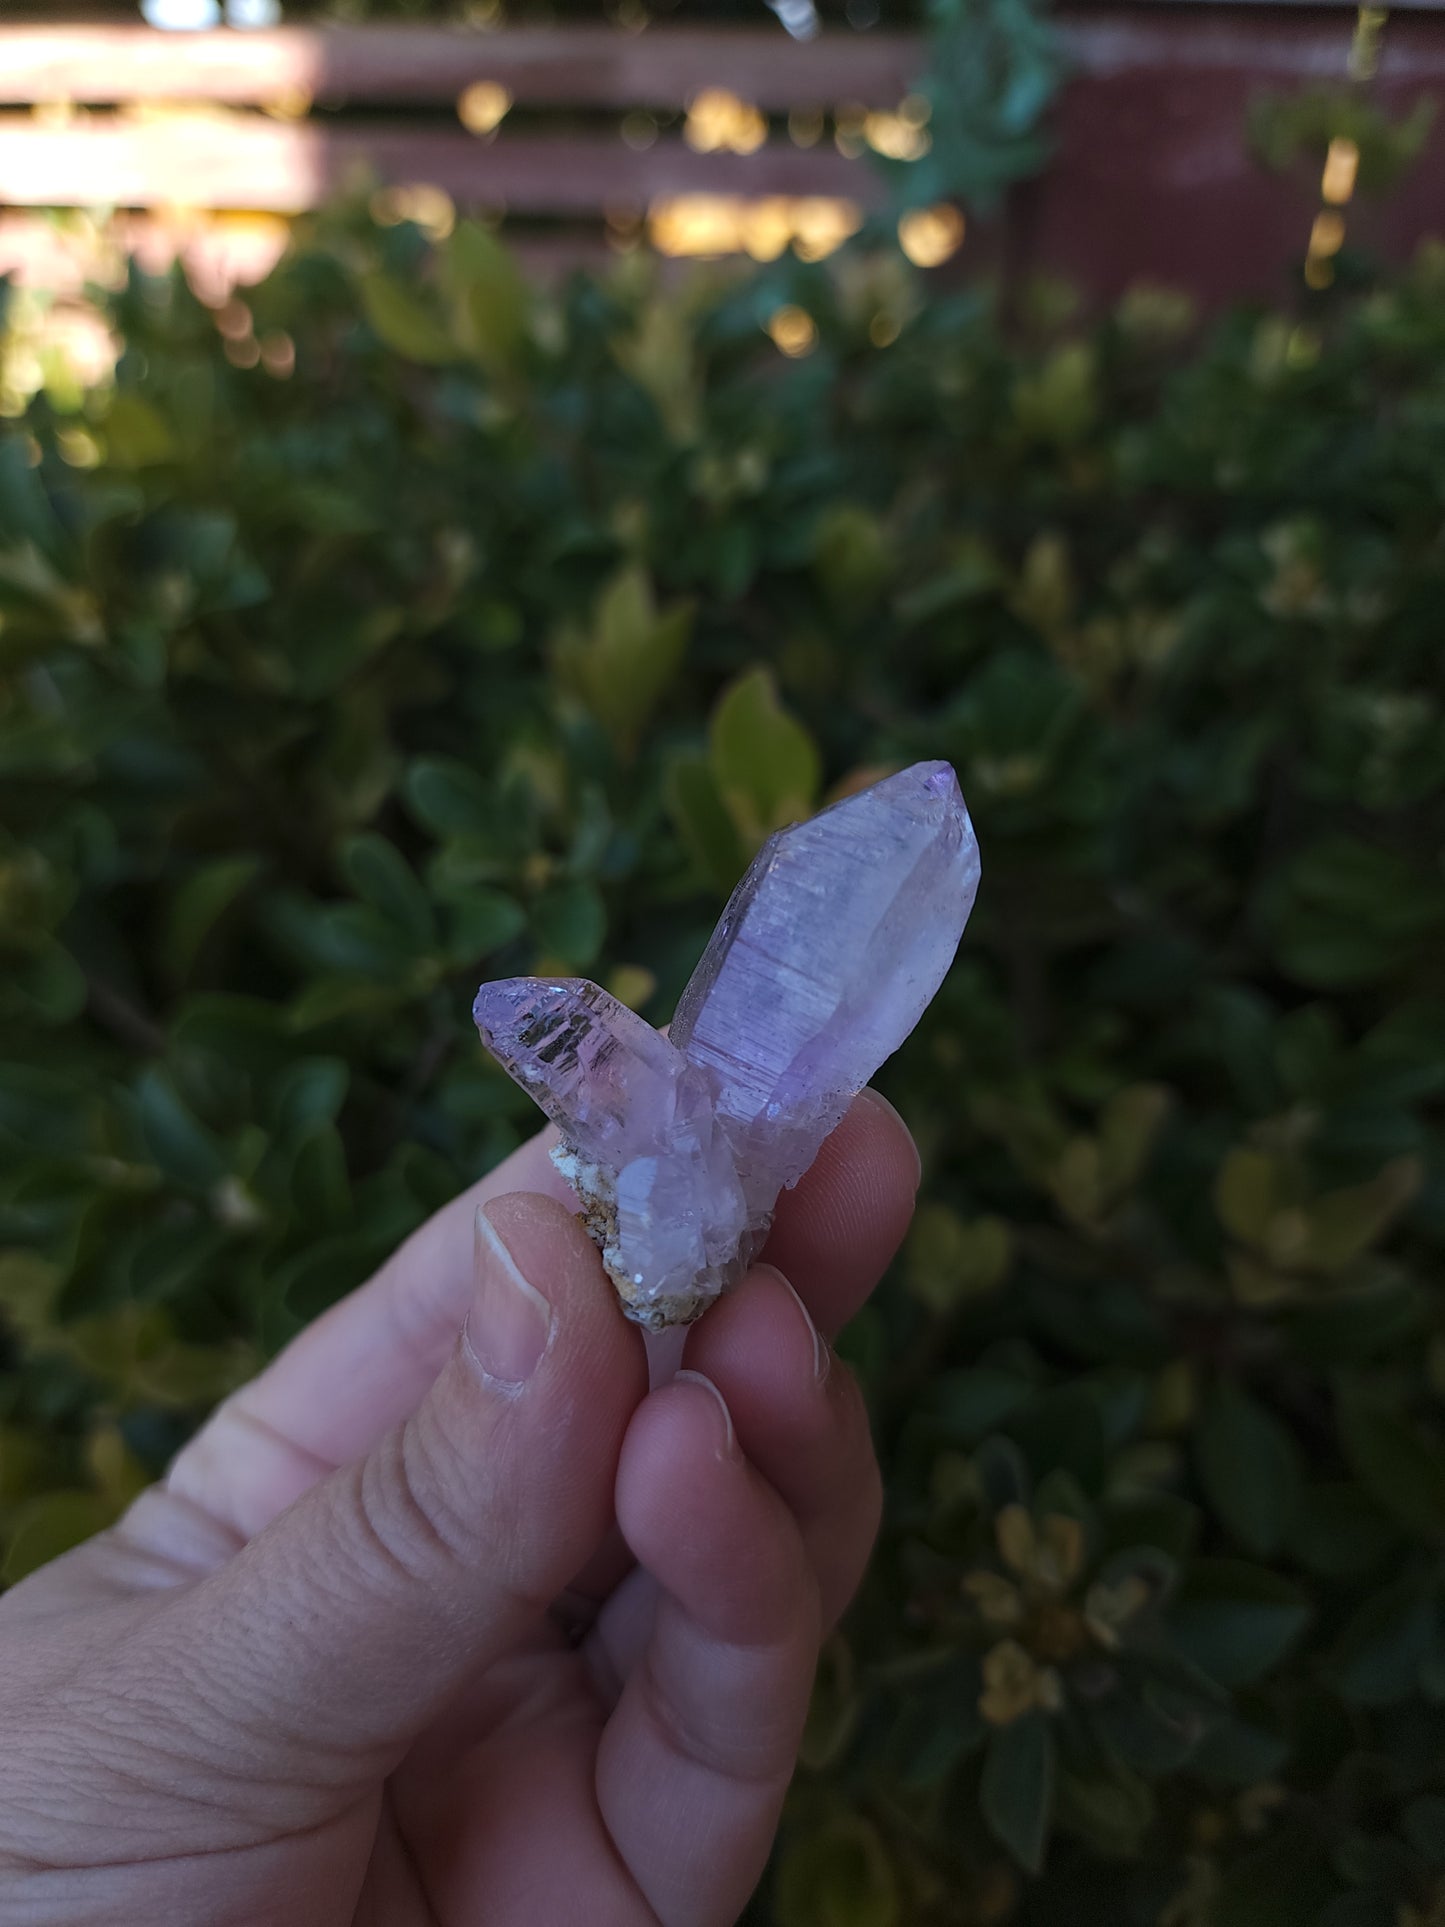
x=322, y=1674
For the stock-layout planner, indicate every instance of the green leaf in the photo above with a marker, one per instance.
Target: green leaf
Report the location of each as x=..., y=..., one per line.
x=479, y=921
x=1247, y=1194
x=1284, y=1883
x=1128, y=1126
x=1249, y=1467
x=1402, y=1468
x=1110, y=1812
x=491, y=293
x=449, y=797
x=939, y=1725
x=1378, y=1657
x=46, y=983
x=971, y=1404
x=838, y=1876
x=309, y=1092
x=853, y=559
x=570, y=920
x=25, y=509
x=377, y=871
x=1016, y=1794
x=136, y=435
x=1059, y=403
x=404, y=323
x=349, y=937
x=1346, y=913
x=766, y=764
x=200, y=903
x=1236, y=1753
x=949, y=1261
x=703, y=822
x=833, y=1710
x=1235, y=1621
x=1343, y=1225
x=1339, y=1531
x=1423, y=1825
x=622, y=667
x=180, y=1144
x=320, y=1185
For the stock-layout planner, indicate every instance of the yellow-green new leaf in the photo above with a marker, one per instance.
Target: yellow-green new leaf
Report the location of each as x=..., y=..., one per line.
x=766, y=764
x=491, y=295
x=1247, y=1193
x=622, y=668
x=404, y=323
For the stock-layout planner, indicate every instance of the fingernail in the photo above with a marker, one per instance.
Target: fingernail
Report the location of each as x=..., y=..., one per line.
x=510, y=1321
x=822, y=1356
x=877, y=1098
x=727, y=1447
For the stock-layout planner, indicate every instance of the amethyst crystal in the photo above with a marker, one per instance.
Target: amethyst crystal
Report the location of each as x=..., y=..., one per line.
x=827, y=955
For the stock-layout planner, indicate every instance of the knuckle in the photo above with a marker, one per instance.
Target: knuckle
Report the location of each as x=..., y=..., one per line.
x=405, y=1509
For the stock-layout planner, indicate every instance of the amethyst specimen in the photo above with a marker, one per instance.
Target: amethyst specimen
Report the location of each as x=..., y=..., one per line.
x=829, y=952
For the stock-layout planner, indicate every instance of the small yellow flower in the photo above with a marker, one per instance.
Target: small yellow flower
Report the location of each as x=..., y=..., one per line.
x=997, y=1599
x=1060, y=1557
x=1014, y=1685
x=1018, y=1543
x=1057, y=1632
x=1009, y=1682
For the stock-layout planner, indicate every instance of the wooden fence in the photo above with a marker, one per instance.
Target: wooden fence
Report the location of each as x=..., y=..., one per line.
x=1151, y=178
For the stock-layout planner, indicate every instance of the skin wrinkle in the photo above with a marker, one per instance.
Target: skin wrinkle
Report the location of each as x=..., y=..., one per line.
x=189, y=1773
x=116, y=1755
x=119, y=1862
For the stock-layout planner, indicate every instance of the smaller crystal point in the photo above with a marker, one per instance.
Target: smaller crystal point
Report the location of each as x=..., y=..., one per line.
x=592, y=1064
x=828, y=953
x=640, y=1141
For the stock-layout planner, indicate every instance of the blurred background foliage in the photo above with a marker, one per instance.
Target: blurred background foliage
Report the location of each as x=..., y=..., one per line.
x=400, y=626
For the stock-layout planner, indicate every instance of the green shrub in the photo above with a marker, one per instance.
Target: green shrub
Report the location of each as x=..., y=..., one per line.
x=493, y=639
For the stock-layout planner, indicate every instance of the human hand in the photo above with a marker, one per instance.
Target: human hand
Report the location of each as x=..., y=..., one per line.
x=323, y=1674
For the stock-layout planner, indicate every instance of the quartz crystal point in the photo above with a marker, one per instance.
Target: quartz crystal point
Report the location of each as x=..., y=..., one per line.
x=828, y=953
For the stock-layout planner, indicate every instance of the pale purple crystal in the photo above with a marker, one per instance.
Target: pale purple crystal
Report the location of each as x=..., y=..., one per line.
x=828, y=953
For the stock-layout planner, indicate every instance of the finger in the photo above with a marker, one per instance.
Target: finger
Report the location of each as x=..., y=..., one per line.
x=360, y=1369
x=694, y=1762
x=365, y=1364
x=837, y=1230
x=833, y=1237
x=802, y=1423
x=332, y=1638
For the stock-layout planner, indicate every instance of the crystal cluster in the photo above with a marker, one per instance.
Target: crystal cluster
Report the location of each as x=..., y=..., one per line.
x=828, y=953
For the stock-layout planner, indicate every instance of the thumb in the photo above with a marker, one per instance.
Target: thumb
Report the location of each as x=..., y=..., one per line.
x=341, y=1629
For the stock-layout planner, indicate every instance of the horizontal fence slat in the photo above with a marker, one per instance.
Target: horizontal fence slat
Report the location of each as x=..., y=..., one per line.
x=248, y=162
x=586, y=66
x=582, y=66
x=1274, y=46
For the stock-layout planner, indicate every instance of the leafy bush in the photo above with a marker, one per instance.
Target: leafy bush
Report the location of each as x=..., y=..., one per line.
x=492, y=639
